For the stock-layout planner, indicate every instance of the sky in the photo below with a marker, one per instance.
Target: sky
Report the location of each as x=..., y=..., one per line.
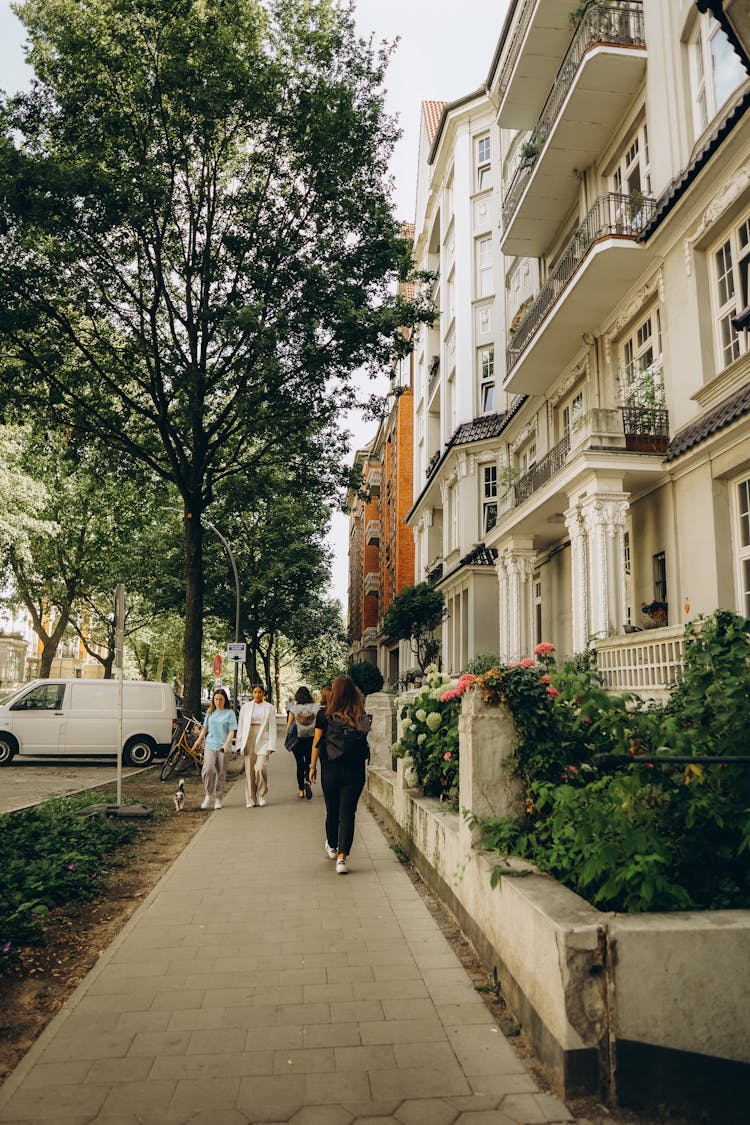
x=444, y=51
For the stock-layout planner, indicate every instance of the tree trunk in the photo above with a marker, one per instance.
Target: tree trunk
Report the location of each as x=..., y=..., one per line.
x=49, y=645
x=194, y=587
x=276, y=672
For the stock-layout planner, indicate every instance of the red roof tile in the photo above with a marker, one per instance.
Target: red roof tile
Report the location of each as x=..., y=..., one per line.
x=432, y=112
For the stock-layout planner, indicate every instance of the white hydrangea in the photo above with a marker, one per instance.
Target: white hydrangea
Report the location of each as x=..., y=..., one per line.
x=421, y=715
x=430, y=669
x=433, y=720
x=421, y=738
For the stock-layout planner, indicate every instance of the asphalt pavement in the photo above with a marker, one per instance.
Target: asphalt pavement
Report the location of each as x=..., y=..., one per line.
x=28, y=781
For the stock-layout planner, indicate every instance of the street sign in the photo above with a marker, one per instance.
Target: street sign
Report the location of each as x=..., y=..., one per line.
x=236, y=652
x=218, y=664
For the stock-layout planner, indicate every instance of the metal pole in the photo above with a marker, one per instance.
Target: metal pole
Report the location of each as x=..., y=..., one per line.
x=119, y=659
x=228, y=550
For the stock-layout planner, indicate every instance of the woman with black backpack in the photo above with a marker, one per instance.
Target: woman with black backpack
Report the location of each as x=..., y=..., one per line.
x=341, y=744
x=300, y=728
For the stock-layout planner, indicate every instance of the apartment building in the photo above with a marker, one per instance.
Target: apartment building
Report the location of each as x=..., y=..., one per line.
x=625, y=184
x=364, y=568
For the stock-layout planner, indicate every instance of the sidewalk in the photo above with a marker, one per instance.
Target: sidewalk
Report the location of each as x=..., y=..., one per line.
x=256, y=985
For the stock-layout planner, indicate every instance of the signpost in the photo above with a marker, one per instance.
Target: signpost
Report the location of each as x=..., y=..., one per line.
x=236, y=653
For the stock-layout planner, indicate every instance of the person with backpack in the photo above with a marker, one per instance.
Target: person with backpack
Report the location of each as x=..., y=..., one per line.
x=300, y=728
x=340, y=742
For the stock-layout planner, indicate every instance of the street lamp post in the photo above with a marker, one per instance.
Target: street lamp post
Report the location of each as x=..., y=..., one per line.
x=228, y=550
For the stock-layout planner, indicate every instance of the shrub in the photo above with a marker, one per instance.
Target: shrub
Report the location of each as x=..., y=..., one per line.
x=482, y=662
x=430, y=737
x=366, y=676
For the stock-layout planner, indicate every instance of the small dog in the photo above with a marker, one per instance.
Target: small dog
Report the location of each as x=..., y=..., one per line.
x=179, y=797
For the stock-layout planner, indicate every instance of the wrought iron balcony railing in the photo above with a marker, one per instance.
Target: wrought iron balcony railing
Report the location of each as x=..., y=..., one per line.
x=618, y=23
x=515, y=47
x=543, y=471
x=646, y=428
x=612, y=216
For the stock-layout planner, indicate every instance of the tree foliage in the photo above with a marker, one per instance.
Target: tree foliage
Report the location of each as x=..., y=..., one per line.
x=198, y=246
x=414, y=615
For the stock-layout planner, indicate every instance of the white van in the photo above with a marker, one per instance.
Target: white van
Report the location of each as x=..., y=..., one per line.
x=80, y=717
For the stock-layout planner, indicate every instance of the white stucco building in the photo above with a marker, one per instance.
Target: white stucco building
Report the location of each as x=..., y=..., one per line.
x=586, y=392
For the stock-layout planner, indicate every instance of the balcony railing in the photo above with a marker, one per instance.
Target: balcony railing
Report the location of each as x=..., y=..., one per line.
x=647, y=662
x=374, y=478
x=515, y=47
x=646, y=428
x=543, y=471
x=372, y=583
x=612, y=216
x=433, y=376
x=618, y=24
x=372, y=531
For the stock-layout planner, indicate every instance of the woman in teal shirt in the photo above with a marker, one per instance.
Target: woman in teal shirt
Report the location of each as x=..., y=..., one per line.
x=218, y=730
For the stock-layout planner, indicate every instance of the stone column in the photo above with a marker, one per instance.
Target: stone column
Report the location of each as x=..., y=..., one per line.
x=504, y=631
x=382, y=707
x=603, y=515
x=486, y=785
x=578, y=574
x=518, y=562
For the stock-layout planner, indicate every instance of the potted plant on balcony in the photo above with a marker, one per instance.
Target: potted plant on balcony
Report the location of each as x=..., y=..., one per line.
x=657, y=611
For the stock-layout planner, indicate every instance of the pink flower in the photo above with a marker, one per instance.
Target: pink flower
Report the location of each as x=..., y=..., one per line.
x=513, y=664
x=528, y=662
x=553, y=692
x=447, y=696
x=544, y=648
x=544, y=679
x=447, y=755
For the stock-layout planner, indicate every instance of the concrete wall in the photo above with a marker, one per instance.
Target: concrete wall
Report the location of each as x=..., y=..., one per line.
x=637, y=1009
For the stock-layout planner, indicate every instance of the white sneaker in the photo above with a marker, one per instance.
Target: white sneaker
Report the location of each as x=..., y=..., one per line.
x=217, y=803
x=206, y=802
x=341, y=868
x=330, y=852
x=261, y=801
x=249, y=804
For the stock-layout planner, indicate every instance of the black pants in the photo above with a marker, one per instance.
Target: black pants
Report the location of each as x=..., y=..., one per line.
x=343, y=780
x=302, y=757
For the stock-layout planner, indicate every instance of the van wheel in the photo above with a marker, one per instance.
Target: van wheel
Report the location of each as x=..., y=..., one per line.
x=140, y=751
x=8, y=748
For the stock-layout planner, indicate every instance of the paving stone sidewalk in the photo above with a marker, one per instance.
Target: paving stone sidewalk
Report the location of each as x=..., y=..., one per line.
x=256, y=985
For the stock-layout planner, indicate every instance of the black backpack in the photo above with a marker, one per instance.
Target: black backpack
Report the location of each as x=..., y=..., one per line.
x=343, y=740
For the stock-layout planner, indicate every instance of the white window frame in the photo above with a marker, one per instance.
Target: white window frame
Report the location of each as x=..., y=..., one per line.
x=486, y=375
x=730, y=291
x=453, y=510
x=632, y=173
x=741, y=506
x=641, y=361
x=572, y=408
x=485, y=272
x=489, y=497
x=527, y=457
x=483, y=155
x=706, y=42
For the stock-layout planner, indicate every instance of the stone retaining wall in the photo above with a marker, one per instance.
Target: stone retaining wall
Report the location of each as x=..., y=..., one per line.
x=639, y=1009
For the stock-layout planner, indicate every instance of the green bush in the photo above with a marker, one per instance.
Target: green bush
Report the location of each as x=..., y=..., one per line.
x=482, y=662
x=655, y=835
x=366, y=676
x=430, y=738
x=49, y=856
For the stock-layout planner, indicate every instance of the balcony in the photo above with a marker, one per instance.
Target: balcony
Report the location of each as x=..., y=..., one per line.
x=372, y=583
x=646, y=429
x=600, y=263
x=372, y=531
x=370, y=637
x=537, y=43
x=543, y=471
x=646, y=662
x=602, y=69
x=374, y=478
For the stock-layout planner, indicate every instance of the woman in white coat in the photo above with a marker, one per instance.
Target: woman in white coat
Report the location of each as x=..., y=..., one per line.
x=256, y=736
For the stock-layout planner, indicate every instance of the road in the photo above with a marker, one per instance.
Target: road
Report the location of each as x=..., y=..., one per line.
x=27, y=781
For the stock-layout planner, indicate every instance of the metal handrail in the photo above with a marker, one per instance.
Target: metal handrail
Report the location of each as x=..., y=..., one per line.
x=543, y=471
x=515, y=48
x=653, y=421
x=618, y=23
x=613, y=215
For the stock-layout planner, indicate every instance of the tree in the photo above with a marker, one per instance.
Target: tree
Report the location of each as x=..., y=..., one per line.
x=366, y=676
x=22, y=497
x=414, y=615
x=199, y=248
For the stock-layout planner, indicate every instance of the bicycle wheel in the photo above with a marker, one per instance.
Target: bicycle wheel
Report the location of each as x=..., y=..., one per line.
x=171, y=761
x=188, y=761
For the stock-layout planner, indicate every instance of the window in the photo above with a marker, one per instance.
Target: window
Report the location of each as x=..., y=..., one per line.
x=632, y=175
x=572, y=409
x=484, y=267
x=527, y=458
x=743, y=497
x=660, y=577
x=486, y=365
x=453, y=518
x=46, y=697
x=627, y=566
x=731, y=266
x=642, y=374
x=489, y=497
x=484, y=163
x=537, y=611
x=715, y=71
